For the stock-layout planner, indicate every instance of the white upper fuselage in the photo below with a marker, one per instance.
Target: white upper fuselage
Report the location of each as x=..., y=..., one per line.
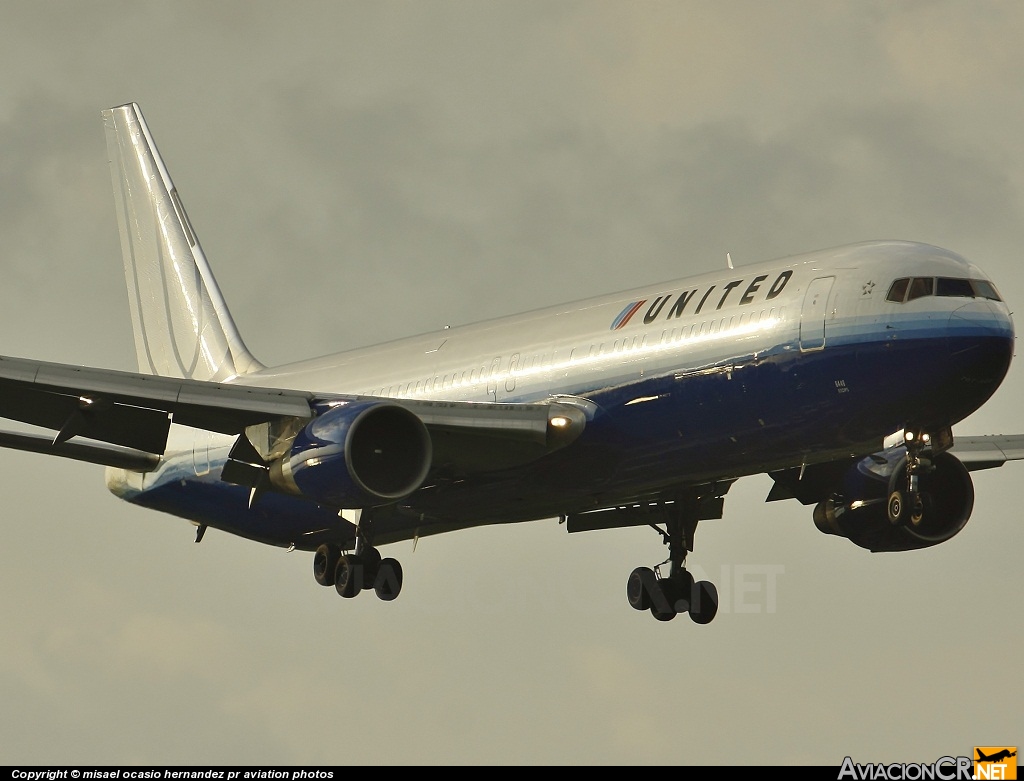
x=574, y=348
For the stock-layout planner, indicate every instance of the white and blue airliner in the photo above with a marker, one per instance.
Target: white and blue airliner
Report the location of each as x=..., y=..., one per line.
x=638, y=408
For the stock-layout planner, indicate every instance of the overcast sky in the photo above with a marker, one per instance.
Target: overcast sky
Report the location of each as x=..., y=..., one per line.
x=385, y=168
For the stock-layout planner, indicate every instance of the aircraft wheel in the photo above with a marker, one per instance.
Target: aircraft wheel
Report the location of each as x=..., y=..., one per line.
x=704, y=602
x=388, y=583
x=325, y=561
x=348, y=575
x=663, y=608
x=683, y=592
x=371, y=564
x=896, y=507
x=662, y=616
x=637, y=586
x=919, y=509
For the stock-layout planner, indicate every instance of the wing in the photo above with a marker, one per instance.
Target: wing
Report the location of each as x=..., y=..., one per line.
x=132, y=410
x=986, y=452
x=127, y=416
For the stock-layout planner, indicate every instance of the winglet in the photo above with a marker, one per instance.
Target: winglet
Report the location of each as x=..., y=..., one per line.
x=182, y=325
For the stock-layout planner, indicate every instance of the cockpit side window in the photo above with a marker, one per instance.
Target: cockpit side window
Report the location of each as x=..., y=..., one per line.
x=920, y=287
x=985, y=289
x=898, y=290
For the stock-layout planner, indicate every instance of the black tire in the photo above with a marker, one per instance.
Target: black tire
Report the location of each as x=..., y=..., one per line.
x=683, y=596
x=918, y=511
x=371, y=564
x=664, y=598
x=348, y=576
x=325, y=561
x=660, y=616
x=636, y=588
x=388, y=584
x=704, y=602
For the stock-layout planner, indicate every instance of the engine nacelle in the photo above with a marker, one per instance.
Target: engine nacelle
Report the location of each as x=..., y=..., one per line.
x=355, y=455
x=858, y=511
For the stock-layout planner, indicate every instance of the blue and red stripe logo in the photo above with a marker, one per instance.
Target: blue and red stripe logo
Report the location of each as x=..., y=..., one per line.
x=626, y=314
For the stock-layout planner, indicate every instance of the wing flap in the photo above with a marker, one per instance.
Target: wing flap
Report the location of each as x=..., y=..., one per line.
x=85, y=416
x=107, y=455
x=133, y=410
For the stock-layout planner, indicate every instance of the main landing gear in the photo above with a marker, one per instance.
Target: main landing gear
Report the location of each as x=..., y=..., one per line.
x=351, y=573
x=907, y=503
x=668, y=595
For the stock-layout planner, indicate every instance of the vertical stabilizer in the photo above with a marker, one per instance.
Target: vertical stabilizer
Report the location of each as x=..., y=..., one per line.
x=182, y=325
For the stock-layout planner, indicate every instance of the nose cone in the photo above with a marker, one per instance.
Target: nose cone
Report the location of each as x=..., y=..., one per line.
x=980, y=347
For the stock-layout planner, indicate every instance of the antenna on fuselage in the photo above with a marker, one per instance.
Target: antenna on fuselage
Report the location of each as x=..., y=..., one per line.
x=728, y=260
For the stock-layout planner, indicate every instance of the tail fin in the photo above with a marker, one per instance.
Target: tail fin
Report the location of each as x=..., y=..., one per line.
x=182, y=325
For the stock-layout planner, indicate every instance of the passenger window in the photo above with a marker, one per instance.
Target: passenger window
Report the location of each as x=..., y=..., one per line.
x=898, y=290
x=920, y=287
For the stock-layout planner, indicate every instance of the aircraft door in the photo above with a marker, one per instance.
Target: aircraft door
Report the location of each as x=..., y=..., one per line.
x=813, y=313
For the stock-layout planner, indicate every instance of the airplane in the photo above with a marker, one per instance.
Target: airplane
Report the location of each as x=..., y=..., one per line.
x=839, y=373
x=999, y=756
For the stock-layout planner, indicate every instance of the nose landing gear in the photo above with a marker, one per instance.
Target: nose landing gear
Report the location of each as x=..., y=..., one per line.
x=907, y=503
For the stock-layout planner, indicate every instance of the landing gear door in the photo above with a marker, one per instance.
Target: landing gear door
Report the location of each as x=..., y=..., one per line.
x=813, y=313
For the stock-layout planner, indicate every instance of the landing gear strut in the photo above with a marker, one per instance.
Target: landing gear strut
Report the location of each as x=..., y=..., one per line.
x=364, y=569
x=668, y=595
x=906, y=504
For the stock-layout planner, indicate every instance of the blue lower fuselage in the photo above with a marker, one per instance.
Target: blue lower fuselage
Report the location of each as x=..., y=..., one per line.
x=743, y=415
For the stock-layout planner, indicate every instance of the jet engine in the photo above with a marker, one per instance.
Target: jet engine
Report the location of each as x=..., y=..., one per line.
x=858, y=510
x=356, y=455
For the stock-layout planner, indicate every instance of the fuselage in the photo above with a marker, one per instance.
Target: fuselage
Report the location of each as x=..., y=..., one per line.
x=737, y=372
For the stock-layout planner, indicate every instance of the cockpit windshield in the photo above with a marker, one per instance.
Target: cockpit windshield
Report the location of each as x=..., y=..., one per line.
x=909, y=288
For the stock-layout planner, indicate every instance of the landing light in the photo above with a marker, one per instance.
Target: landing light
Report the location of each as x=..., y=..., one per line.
x=560, y=421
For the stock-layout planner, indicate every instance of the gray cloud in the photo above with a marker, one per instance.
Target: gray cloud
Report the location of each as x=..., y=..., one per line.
x=385, y=168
